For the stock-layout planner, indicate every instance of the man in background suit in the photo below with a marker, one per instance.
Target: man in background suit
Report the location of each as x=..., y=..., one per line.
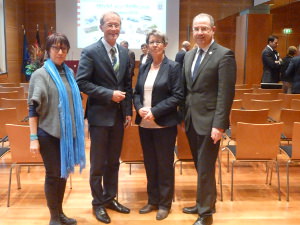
x=131, y=57
x=271, y=61
x=293, y=72
x=145, y=57
x=103, y=74
x=180, y=55
x=209, y=74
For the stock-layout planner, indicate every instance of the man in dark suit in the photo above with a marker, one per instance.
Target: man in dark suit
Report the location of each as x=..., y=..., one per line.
x=131, y=57
x=145, y=57
x=180, y=55
x=293, y=72
x=103, y=74
x=271, y=61
x=209, y=74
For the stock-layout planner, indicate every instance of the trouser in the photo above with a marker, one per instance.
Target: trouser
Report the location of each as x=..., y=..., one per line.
x=205, y=154
x=158, y=149
x=54, y=185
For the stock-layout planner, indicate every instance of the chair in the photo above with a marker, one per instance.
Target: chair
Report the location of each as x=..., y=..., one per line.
x=20, y=152
x=256, y=143
x=19, y=104
x=246, y=98
x=274, y=107
x=132, y=152
x=8, y=115
x=8, y=85
x=295, y=104
x=238, y=93
x=293, y=154
x=288, y=117
x=287, y=98
x=184, y=155
x=11, y=94
x=271, y=91
x=236, y=104
x=20, y=90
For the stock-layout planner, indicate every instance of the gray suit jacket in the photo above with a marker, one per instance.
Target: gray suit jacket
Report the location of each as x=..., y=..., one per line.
x=97, y=78
x=208, y=98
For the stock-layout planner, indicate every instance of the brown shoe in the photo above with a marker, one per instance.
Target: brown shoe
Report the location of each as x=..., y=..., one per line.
x=147, y=208
x=162, y=214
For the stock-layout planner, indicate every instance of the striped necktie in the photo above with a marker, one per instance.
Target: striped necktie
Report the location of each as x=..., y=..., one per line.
x=115, y=63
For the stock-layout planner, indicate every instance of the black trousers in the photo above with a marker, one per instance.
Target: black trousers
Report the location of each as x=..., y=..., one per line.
x=205, y=154
x=106, y=144
x=158, y=149
x=54, y=185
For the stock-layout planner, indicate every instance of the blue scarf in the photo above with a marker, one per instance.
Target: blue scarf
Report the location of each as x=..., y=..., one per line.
x=71, y=149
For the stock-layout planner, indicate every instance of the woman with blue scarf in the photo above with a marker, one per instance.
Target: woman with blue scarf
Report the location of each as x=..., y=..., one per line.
x=56, y=124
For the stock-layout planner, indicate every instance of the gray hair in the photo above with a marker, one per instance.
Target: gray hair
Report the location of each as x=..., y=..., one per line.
x=157, y=34
x=102, y=22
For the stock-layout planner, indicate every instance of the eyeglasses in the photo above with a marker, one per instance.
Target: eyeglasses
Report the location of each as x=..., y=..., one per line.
x=57, y=49
x=202, y=29
x=111, y=25
x=155, y=42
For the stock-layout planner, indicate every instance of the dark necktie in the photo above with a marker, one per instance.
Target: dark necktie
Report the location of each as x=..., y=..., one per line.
x=197, y=64
x=115, y=63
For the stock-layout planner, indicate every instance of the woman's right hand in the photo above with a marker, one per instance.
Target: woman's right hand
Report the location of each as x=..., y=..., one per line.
x=143, y=111
x=35, y=147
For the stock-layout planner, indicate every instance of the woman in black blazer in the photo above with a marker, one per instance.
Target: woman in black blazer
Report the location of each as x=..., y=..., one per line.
x=157, y=95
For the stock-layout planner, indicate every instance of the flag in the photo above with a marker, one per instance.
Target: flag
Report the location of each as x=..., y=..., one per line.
x=26, y=56
x=37, y=39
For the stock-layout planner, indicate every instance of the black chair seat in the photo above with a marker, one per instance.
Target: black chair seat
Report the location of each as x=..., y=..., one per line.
x=287, y=149
x=3, y=151
x=232, y=148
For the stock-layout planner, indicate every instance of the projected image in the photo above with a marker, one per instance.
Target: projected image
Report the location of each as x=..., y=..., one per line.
x=138, y=18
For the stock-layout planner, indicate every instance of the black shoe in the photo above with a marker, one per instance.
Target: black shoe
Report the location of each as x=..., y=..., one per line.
x=101, y=214
x=190, y=210
x=147, y=208
x=55, y=222
x=205, y=220
x=115, y=205
x=162, y=214
x=66, y=220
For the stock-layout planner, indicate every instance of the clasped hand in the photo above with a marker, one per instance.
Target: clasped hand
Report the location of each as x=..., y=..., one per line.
x=118, y=96
x=146, y=113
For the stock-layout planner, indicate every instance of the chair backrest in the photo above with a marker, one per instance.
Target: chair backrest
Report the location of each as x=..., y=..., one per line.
x=236, y=104
x=19, y=140
x=274, y=107
x=271, y=91
x=25, y=86
x=247, y=116
x=8, y=115
x=183, y=147
x=295, y=104
x=238, y=93
x=287, y=98
x=257, y=141
x=288, y=117
x=246, y=98
x=11, y=94
x=131, y=148
x=20, y=90
x=19, y=104
x=9, y=85
x=296, y=141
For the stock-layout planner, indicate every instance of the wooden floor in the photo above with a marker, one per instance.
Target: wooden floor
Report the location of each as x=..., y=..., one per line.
x=255, y=203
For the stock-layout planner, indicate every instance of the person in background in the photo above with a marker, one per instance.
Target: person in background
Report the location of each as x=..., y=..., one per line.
x=271, y=61
x=293, y=73
x=157, y=94
x=103, y=74
x=131, y=57
x=287, y=82
x=209, y=75
x=145, y=57
x=186, y=46
x=56, y=124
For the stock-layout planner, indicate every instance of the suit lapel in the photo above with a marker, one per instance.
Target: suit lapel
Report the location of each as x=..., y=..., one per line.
x=161, y=71
x=189, y=65
x=206, y=59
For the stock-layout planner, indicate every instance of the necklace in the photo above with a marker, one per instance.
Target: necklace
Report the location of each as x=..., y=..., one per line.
x=156, y=66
